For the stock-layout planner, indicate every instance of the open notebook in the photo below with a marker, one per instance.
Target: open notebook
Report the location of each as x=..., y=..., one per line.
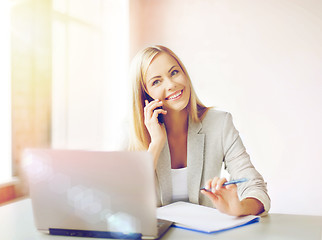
x=200, y=218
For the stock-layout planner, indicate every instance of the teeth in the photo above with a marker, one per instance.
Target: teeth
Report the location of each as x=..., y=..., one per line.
x=178, y=94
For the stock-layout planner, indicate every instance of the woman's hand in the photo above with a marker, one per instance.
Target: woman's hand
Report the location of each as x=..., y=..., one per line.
x=156, y=130
x=225, y=199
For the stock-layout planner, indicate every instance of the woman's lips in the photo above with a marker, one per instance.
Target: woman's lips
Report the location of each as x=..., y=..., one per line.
x=175, y=95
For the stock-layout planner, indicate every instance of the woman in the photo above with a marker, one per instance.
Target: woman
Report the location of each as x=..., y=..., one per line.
x=194, y=141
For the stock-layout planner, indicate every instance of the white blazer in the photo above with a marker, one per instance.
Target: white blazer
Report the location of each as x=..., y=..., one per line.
x=212, y=142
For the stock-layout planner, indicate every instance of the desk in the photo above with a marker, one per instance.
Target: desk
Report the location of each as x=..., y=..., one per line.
x=16, y=223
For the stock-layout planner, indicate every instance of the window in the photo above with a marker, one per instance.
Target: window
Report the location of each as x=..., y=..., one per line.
x=30, y=81
x=64, y=67
x=5, y=94
x=89, y=65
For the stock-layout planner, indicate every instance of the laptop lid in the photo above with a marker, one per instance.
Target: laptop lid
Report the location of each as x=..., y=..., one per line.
x=109, y=192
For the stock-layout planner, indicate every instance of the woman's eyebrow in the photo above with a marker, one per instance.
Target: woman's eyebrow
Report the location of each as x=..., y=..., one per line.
x=171, y=68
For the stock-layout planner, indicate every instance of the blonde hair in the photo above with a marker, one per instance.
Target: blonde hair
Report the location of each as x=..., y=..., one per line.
x=140, y=137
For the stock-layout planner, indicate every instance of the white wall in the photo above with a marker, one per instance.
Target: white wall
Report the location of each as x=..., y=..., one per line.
x=262, y=61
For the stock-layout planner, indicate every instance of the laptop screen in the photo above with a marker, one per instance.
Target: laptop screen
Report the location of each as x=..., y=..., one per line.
x=92, y=190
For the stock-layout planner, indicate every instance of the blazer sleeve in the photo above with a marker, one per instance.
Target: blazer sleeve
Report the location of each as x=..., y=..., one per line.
x=238, y=164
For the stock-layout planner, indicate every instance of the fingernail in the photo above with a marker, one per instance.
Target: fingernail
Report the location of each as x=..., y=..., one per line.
x=213, y=190
x=217, y=188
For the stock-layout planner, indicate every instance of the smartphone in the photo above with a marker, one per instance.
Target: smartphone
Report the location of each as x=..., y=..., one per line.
x=160, y=116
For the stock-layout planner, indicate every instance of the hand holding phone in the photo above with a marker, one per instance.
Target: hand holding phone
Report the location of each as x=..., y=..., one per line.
x=160, y=116
x=153, y=121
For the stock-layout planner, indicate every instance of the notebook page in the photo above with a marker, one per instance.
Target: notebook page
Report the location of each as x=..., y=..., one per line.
x=201, y=218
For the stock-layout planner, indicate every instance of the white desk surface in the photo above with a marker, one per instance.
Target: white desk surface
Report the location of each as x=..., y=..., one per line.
x=16, y=223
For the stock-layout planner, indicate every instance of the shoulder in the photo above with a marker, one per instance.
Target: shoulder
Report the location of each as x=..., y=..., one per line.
x=217, y=121
x=215, y=117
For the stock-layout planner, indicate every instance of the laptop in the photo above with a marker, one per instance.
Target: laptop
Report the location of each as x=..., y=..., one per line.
x=93, y=193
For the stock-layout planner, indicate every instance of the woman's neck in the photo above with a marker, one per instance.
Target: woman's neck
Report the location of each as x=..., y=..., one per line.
x=176, y=123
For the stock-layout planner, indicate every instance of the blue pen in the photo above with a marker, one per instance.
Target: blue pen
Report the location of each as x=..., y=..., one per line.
x=230, y=182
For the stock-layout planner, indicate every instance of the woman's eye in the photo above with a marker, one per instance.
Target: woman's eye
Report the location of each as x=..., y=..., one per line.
x=155, y=82
x=174, y=72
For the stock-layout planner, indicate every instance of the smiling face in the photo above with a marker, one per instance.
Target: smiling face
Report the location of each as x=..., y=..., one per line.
x=166, y=81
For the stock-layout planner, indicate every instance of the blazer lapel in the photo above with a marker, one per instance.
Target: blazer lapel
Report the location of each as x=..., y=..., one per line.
x=195, y=156
x=163, y=172
x=195, y=160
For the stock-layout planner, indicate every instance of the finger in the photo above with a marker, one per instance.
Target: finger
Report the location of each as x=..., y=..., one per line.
x=157, y=112
x=153, y=105
x=147, y=113
x=231, y=187
x=220, y=182
x=153, y=101
x=210, y=195
x=156, y=104
x=162, y=111
x=208, y=184
x=214, y=184
x=150, y=107
x=145, y=110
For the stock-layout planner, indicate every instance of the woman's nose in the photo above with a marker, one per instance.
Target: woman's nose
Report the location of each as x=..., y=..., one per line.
x=171, y=85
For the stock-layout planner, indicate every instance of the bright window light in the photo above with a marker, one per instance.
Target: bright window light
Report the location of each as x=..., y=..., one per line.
x=5, y=93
